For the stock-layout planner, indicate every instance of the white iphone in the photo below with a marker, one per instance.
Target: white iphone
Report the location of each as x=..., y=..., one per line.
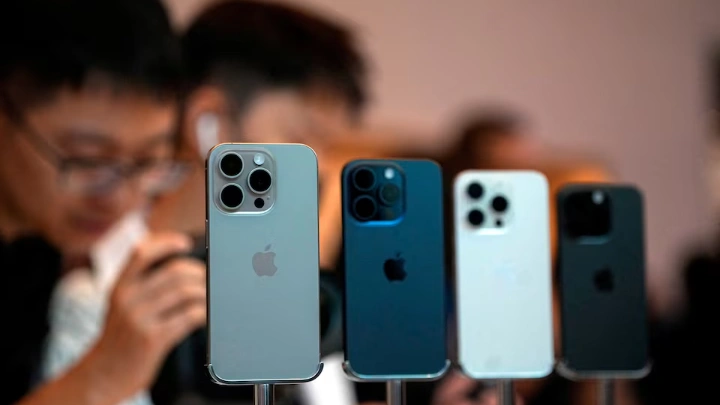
x=503, y=274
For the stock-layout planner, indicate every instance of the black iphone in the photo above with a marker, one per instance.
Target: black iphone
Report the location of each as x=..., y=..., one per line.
x=601, y=264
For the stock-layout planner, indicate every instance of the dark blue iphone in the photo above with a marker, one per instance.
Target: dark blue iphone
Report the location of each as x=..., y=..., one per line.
x=394, y=301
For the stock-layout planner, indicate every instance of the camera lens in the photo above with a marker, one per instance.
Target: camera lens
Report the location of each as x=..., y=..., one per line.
x=475, y=191
x=587, y=214
x=476, y=217
x=364, y=208
x=259, y=180
x=389, y=194
x=500, y=204
x=364, y=179
x=232, y=196
x=231, y=165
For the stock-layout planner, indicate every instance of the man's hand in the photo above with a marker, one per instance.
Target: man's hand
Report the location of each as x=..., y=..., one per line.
x=150, y=312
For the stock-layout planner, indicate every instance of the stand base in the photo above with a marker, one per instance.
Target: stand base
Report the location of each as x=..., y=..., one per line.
x=605, y=392
x=395, y=392
x=264, y=394
x=506, y=392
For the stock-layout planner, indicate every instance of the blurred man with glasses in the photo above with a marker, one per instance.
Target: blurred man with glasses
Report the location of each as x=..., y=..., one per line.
x=88, y=108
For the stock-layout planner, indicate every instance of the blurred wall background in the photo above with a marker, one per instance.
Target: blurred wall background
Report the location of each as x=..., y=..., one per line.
x=626, y=80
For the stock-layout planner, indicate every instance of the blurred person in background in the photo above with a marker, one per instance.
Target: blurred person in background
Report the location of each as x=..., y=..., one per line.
x=269, y=73
x=257, y=72
x=88, y=106
x=488, y=137
x=684, y=348
x=263, y=72
x=684, y=345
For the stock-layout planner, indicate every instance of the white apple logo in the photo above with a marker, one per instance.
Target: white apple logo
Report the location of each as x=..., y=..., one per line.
x=264, y=263
x=508, y=273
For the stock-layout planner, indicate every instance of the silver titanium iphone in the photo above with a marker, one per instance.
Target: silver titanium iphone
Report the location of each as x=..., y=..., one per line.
x=263, y=271
x=503, y=274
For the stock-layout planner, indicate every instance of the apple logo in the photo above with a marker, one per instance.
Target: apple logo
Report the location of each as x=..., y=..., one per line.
x=604, y=280
x=507, y=272
x=264, y=263
x=395, y=268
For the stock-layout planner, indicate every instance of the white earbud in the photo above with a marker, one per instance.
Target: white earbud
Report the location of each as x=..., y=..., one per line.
x=207, y=129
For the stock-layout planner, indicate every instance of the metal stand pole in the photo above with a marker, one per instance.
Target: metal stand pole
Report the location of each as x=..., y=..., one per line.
x=264, y=394
x=506, y=392
x=606, y=392
x=395, y=391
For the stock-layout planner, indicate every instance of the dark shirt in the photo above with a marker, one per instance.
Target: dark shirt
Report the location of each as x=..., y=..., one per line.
x=686, y=351
x=29, y=270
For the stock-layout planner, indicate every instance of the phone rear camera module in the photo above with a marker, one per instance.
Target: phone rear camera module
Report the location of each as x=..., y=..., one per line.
x=231, y=165
x=475, y=191
x=364, y=208
x=232, y=196
x=500, y=204
x=260, y=180
x=476, y=218
x=364, y=179
x=587, y=213
x=389, y=194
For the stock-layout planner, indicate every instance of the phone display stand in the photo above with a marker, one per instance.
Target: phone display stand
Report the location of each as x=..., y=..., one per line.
x=395, y=392
x=605, y=392
x=264, y=394
x=506, y=392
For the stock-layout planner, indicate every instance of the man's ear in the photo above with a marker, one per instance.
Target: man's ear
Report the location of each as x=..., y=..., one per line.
x=206, y=120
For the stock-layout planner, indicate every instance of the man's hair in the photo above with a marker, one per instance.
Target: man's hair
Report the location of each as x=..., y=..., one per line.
x=49, y=44
x=249, y=46
x=478, y=127
x=482, y=125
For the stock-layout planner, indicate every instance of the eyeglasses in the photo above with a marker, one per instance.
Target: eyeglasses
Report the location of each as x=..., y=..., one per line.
x=98, y=176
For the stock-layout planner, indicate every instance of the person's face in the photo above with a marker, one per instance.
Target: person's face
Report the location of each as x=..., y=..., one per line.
x=56, y=163
x=291, y=116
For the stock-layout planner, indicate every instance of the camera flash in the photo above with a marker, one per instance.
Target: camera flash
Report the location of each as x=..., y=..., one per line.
x=598, y=197
x=259, y=159
x=389, y=173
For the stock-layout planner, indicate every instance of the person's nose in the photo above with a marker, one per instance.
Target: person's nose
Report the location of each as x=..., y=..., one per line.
x=123, y=197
